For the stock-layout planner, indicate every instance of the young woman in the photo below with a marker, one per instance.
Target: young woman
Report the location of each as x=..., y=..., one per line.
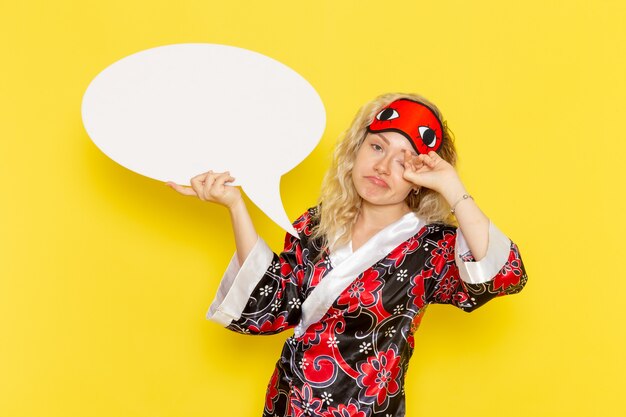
x=370, y=257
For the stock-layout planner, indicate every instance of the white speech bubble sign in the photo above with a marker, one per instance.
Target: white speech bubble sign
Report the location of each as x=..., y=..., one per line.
x=175, y=111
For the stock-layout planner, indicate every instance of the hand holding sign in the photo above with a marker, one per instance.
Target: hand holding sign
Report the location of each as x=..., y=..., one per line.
x=211, y=186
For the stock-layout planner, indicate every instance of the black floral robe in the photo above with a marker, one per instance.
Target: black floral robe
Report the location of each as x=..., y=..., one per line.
x=355, y=314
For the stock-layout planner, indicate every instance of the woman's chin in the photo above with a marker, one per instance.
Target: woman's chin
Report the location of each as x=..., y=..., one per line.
x=372, y=196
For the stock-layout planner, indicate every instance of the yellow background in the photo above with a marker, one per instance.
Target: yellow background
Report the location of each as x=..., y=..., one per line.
x=105, y=275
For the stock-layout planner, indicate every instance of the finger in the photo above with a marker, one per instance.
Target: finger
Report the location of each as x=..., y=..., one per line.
x=198, y=181
x=201, y=183
x=435, y=157
x=416, y=165
x=210, y=180
x=201, y=177
x=417, y=162
x=412, y=159
x=181, y=189
x=407, y=160
x=429, y=161
x=218, y=185
x=224, y=179
x=422, y=158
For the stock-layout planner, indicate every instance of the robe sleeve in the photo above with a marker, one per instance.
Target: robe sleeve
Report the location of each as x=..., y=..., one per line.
x=263, y=295
x=469, y=284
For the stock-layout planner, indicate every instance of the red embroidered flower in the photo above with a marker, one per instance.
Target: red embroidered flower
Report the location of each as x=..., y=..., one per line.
x=444, y=252
x=379, y=377
x=510, y=274
x=350, y=410
x=404, y=249
x=304, y=403
x=446, y=287
x=460, y=298
x=362, y=291
x=418, y=289
x=270, y=326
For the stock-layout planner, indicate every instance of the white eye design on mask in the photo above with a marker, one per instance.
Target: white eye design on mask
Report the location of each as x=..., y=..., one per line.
x=387, y=114
x=428, y=136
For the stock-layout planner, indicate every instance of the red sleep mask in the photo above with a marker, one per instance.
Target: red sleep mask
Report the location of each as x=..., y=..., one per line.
x=417, y=122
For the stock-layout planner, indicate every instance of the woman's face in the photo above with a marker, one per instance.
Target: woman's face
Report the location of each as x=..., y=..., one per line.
x=378, y=169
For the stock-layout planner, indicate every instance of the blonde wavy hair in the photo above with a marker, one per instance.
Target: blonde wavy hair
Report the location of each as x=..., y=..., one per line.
x=339, y=204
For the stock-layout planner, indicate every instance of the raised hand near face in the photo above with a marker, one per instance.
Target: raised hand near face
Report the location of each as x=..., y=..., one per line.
x=431, y=171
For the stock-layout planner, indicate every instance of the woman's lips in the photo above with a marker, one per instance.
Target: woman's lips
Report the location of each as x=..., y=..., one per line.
x=377, y=181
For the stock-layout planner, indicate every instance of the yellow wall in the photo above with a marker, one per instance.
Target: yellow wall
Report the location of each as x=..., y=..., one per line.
x=105, y=276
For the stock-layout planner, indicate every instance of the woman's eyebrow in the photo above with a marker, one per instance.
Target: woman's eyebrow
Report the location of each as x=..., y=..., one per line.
x=380, y=135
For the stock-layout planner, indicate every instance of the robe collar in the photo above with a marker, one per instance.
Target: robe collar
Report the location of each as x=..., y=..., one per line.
x=348, y=265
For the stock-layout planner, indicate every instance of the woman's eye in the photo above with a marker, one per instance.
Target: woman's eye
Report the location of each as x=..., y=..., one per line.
x=387, y=114
x=376, y=147
x=428, y=136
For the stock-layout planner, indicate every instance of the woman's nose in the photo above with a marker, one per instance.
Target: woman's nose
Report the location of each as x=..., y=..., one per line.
x=382, y=166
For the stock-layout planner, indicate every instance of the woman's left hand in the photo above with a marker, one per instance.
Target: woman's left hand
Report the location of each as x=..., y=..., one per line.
x=431, y=171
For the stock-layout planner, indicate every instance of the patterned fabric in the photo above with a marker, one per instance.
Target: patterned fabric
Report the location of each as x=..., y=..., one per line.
x=354, y=360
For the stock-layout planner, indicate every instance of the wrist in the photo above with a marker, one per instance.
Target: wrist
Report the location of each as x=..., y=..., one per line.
x=236, y=206
x=453, y=192
x=459, y=201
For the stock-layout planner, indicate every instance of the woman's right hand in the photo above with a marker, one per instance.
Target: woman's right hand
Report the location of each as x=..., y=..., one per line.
x=210, y=186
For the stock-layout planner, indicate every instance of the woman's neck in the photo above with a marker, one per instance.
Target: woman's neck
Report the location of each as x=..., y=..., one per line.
x=375, y=217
